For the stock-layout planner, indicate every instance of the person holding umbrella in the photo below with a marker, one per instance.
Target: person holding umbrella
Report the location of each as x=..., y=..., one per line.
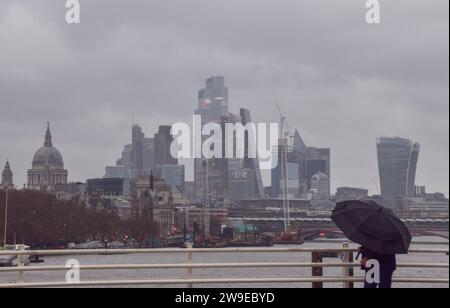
x=378, y=230
x=388, y=265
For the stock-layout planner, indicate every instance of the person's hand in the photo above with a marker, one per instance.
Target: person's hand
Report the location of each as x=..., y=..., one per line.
x=359, y=252
x=364, y=261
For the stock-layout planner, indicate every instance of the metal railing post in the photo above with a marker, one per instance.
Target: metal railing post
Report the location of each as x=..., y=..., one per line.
x=190, y=273
x=351, y=269
x=316, y=257
x=346, y=272
x=21, y=259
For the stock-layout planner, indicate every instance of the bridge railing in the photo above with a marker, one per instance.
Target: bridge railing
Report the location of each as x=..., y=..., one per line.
x=317, y=265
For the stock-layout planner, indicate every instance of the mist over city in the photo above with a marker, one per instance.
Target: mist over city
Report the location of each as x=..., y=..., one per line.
x=342, y=82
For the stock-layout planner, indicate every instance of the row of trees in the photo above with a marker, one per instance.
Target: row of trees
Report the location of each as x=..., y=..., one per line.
x=41, y=220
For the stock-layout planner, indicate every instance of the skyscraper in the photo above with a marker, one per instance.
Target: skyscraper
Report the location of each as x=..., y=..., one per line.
x=148, y=152
x=397, y=162
x=163, y=141
x=213, y=108
x=137, y=158
x=213, y=100
x=137, y=145
x=242, y=185
x=320, y=186
x=299, y=148
x=296, y=169
x=251, y=163
x=318, y=160
x=125, y=158
x=220, y=168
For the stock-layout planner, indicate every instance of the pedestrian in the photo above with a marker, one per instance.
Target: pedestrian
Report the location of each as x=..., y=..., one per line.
x=388, y=265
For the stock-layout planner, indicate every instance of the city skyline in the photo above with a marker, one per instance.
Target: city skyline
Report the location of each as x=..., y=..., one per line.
x=325, y=99
x=155, y=170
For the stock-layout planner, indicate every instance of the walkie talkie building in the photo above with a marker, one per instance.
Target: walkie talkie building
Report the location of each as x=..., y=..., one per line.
x=397, y=162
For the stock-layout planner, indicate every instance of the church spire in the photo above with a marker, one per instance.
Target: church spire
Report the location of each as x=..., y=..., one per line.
x=48, y=137
x=7, y=176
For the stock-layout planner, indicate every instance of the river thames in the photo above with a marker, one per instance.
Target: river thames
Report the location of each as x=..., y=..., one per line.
x=56, y=276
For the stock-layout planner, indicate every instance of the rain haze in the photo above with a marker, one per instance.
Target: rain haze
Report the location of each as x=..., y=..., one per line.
x=342, y=82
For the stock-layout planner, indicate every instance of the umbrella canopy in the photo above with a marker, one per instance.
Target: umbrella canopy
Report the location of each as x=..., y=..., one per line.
x=372, y=226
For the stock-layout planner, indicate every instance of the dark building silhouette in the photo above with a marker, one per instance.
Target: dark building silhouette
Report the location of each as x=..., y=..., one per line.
x=137, y=159
x=163, y=142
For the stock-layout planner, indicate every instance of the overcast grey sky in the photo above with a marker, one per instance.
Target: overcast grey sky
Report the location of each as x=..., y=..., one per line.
x=342, y=82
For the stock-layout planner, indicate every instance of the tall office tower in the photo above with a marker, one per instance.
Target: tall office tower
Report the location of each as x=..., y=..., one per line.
x=296, y=169
x=7, y=177
x=251, y=163
x=218, y=169
x=299, y=148
x=320, y=186
x=124, y=166
x=213, y=100
x=137, y=148
x=213, y=108
x=125, y=159
x=397, y=162
x=242, y=185
x=148, y=154
x=293, y=175
x=163, y=142
x=137, y=159
x=318, y=160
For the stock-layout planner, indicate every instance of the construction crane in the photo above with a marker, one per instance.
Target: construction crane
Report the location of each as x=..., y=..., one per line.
x=286, y=131
x=284, y=148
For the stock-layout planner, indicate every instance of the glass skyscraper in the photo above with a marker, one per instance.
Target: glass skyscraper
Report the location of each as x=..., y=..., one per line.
x=213, y=100
x=397, y=162
x=163, y=141
x=251, y=163
x=213, y=108
x=318, y=160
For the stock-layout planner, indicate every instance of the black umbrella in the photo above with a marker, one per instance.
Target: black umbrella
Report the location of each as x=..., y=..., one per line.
x=372, y=226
